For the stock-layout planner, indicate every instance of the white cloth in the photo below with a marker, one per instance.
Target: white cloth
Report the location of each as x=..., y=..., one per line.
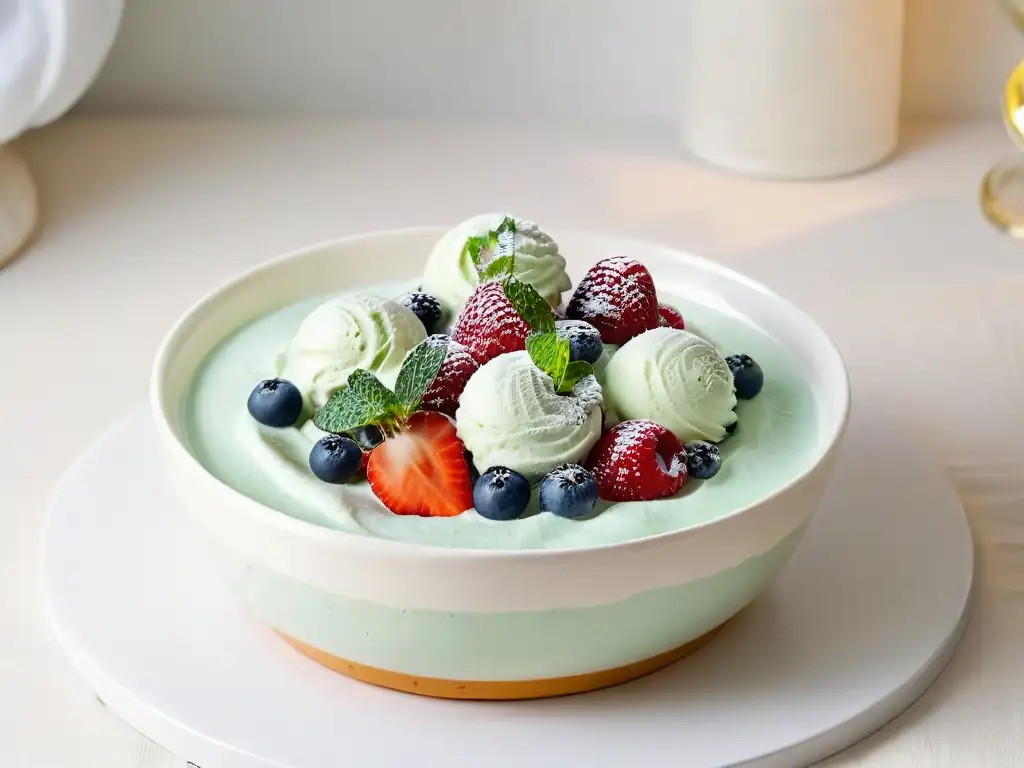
x=143, y=217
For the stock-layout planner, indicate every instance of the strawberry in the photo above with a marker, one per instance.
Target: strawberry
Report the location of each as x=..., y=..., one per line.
x=422, y=470
x=445, y=390
x=617, y=296
x=670, y=317
x=638, y=461
x=489, y=325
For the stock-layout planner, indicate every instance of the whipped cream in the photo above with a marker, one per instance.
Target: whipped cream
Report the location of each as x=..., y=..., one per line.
x=343, y=334
x=450, y=275
x=511, y=416
x=674, y=378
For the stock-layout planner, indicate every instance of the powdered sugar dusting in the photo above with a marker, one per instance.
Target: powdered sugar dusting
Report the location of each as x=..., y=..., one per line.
x=629, y=467
x=446, y=389
x=588, y=394
x=489, y=325
x=617, y=296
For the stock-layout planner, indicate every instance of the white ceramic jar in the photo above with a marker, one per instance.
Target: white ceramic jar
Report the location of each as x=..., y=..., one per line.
x=794, y=88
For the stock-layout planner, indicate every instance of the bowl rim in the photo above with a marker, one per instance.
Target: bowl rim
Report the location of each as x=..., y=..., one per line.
x=159, y=408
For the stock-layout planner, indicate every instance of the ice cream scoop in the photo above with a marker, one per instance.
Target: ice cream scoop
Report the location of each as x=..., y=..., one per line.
x=674, y=378
x=346, y=333
x=450, y=275
x=511, y=416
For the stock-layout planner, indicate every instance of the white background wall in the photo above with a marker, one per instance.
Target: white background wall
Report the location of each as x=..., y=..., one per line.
x=618, y=59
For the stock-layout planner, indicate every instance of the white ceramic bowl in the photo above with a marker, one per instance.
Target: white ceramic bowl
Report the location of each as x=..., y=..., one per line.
x=475, y=623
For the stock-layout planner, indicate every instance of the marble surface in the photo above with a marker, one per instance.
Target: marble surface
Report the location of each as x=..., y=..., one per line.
x=141, y=217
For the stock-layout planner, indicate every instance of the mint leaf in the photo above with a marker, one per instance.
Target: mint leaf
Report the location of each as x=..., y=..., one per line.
x=418, y=371
x=573, y=373
x=508, y=224
x=364, y=400
x=549, y=353
x=502, y=266
x=501, y=240
x=530, y=305
x=477, y=244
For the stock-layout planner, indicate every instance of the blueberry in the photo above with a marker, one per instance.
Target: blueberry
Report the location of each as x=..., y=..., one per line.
x=584, y=339
x=368, y=437
x=335, y=459
x=703, y=460
x=275, y=403
x=747, y=375
x=501, y=494
x=568, y=491
x=425, y=307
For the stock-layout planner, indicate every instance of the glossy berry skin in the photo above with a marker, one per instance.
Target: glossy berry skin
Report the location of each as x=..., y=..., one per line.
x=584, y=340
x=501, y=494
x=703, y=459
x=671, y=318
x=425, y=307
x=445, y=390
x=617, y=296
x=368, y=437
x=275, y=403
x=748, y=378
x=568, y=491
x=638, y=460
x=489, y=325
x=335, y=459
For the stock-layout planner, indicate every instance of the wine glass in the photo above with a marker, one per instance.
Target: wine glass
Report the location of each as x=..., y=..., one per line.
x=1002, y=189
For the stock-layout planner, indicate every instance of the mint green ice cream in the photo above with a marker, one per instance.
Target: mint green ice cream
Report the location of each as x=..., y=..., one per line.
x=358, y=330
x=450, y=276
x=674, y=378
x=776, y=440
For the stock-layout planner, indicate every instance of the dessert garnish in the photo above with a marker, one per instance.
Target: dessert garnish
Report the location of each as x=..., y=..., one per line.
x=425, y=307
x=674, y=378
x=584, y=340
x=489, y=324
x=345, y=333
x=501, y=494
x=335, y=459
x=616, y=296
x=420, y=468
x=454, y=265
x=703, y=459
x=445, y=390
x=638, y=460
x=671, y=317
x=504, y=315
x=568, y=491
x=275, y=403
x=747, y=375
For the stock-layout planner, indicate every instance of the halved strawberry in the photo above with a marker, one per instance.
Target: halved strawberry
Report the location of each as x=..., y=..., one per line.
x=445, y=390
x=617, y=296
x=489, y=325
x=422, y=470
x=671, y=317
x=638, y=461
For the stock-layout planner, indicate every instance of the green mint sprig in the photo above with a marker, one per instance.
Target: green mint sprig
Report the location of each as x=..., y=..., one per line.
x=550, y=353
x=501, y=240
x=365, y=400
x=547, y=350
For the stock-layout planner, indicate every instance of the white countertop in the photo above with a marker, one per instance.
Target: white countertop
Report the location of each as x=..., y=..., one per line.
x=144, y=216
